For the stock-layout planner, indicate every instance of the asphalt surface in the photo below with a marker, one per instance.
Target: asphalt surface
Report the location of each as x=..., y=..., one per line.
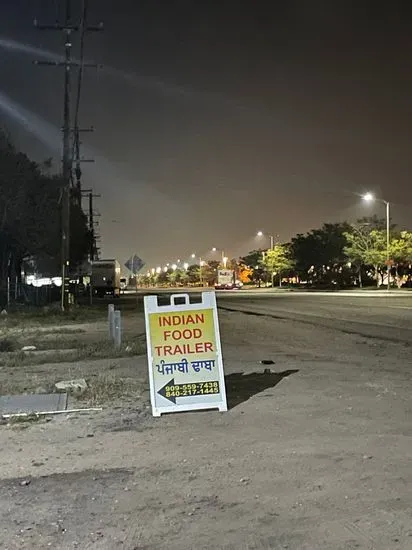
x=375, y=315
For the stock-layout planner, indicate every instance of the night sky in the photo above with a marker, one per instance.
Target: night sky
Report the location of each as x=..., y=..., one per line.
x=216, y=119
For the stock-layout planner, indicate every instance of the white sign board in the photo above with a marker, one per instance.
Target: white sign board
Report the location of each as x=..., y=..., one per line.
x=184, y=355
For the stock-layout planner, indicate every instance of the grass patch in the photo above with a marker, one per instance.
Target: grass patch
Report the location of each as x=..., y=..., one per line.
x=106, y=350
x=13, y=360
x=72, y=350
x=106, y=388
x=52, y=316
x=7, y=345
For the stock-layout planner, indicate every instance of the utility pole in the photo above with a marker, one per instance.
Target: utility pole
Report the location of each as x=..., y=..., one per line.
x=68, y=28
x=77, y=159
x=67, y=163
x=92, y=224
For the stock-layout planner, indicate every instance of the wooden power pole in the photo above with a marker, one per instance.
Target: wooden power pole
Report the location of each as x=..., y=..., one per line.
x=68, y=29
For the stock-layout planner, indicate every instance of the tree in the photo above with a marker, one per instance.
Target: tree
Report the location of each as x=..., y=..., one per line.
x=401, y=255
x=277, y=261
x=245, y=274
x=193, y=274
x=319, y=255
x=162, y=278
x=209, y=273
x=366, y=247
x=30, y=219
x=253, y=261
x=174, y=276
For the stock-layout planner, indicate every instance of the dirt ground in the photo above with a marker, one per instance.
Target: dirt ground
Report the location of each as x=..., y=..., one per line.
x=316, y=456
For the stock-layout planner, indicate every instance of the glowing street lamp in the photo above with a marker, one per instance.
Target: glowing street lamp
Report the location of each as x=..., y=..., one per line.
x=224, y=258
x=271, y=237
x=370, y=197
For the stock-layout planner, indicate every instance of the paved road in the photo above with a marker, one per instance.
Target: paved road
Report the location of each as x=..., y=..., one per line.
x=375, y=315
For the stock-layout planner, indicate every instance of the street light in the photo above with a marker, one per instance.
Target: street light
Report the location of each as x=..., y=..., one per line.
x=224, y=258
x=271, y=237
x=272, y=247
x=370, y=197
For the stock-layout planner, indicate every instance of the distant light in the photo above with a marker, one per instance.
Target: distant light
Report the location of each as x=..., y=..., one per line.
x=165, y=269
x=186, y=265
x=174, y=267
x=158, y=269
x=214, y=249
x=368, y=197
x=202, y=263
x=260, y=233
x=193, y=255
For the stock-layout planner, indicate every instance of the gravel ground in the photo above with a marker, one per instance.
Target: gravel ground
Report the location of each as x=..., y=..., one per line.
x=316, y=456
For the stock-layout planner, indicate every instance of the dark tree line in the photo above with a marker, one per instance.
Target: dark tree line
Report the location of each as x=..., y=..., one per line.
x=30, y=218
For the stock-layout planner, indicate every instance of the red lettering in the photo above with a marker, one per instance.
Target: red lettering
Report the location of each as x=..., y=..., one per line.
x=158, y=349
x=208, y=346
x=167, y=350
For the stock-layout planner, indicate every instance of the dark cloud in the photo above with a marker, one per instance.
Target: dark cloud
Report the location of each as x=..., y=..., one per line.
x=216, y=119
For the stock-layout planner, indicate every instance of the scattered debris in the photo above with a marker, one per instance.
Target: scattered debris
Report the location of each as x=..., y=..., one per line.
x=47, y=413
x=78, y=386
x=29, y=348
x=25, y=482
x=267, y=362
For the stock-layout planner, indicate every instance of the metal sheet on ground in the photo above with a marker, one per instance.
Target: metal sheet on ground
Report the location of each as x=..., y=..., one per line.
x=45, y=402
